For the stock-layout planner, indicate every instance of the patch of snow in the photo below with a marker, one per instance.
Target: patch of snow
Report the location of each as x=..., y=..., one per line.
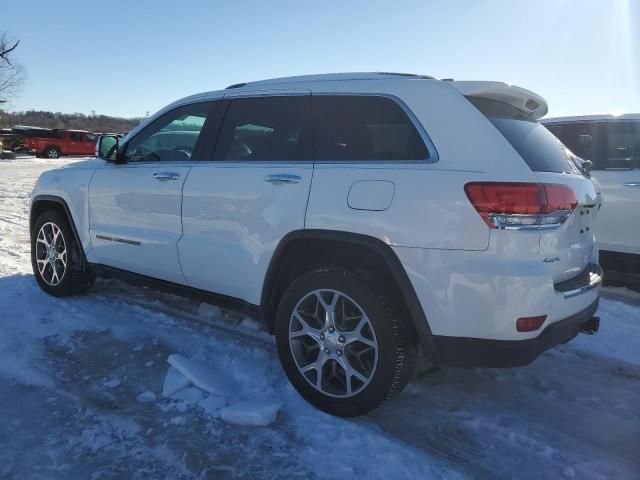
x=112, y=383
x=209, y=312
x=204, y=376
x=251, y=324
x=256, y=413
x=146, y=397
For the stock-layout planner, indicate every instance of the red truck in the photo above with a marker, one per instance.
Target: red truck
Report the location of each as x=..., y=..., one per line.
x=56, y=143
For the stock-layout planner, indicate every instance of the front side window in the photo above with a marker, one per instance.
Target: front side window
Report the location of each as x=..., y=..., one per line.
x=264, y=129
x=170, y=138
x=359, y=127
x=91, y=137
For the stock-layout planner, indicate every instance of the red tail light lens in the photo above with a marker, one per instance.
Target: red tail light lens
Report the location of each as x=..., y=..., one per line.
x=529, y=324
x=510, y=205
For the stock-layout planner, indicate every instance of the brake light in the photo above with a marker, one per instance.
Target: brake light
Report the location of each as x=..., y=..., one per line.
x=510, y=205
x=529, y=324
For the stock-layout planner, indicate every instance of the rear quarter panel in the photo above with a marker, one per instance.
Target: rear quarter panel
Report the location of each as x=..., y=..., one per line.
x=429, y=208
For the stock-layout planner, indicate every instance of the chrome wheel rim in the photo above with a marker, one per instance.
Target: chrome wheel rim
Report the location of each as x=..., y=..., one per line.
x=52, y=154
x=51, y=254
x=333, y=343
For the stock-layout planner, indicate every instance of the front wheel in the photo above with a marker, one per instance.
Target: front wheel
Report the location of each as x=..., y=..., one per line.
x=58, y=265
x=342, y=344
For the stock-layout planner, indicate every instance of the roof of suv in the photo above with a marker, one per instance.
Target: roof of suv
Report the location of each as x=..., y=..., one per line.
x=332, y=77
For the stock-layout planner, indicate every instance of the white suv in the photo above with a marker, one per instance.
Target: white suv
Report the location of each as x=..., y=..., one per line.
x=361, y=216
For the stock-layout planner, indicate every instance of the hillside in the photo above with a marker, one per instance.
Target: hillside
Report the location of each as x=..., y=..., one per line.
x=93, y=123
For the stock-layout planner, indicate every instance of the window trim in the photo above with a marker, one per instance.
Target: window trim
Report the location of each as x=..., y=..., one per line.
x=431, y=148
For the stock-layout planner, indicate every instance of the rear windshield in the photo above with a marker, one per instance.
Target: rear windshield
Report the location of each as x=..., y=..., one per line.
x=537, y=146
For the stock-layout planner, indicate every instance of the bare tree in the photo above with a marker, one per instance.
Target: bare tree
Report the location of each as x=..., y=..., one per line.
x=12, y=75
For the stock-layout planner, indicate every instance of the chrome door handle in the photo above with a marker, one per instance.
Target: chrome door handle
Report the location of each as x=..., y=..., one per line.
x=632, y=184
x=281, y=178
x=164, y=176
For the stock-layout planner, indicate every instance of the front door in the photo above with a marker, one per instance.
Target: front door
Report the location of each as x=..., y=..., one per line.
x=135, y=207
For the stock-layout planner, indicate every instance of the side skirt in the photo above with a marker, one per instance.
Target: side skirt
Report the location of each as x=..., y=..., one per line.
x=217, y=299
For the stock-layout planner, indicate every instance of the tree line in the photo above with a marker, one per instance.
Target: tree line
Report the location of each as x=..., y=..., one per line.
x=76, y=121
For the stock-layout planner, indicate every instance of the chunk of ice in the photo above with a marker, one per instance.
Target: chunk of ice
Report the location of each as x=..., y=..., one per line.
x=146, y=397
x=204, y=376
x=174, y=381
x=257, y=413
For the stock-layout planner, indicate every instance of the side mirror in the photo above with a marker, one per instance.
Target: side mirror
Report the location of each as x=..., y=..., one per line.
x=107, y=149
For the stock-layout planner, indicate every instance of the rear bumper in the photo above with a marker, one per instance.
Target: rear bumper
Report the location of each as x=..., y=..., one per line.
x=479, y=352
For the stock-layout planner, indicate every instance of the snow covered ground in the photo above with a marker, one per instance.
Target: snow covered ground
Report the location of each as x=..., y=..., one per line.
x=125, y=382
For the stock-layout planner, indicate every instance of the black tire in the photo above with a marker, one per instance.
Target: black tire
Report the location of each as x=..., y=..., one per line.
x=52, y=153
x=78, y=276
x=396, y=345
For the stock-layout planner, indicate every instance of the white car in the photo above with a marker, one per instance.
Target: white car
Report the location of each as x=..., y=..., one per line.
x=361, y=216
x=612, y=144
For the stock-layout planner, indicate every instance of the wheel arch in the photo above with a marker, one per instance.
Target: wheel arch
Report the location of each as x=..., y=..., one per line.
x=42, y=203
x=332, y=246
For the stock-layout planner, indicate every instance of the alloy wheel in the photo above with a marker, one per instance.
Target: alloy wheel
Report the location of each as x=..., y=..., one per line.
x=333, y=343
x=51, y=254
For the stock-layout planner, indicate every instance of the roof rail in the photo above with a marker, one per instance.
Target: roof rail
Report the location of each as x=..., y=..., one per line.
x=236, y=85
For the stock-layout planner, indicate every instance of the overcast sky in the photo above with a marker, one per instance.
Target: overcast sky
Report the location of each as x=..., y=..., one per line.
x=125, y=58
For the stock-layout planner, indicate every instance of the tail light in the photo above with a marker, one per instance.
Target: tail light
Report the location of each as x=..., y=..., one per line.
x=507, y=205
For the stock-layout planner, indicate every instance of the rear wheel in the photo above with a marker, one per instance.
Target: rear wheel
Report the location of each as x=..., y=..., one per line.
x=58, y=264
x=342, y=343
x=52, y=152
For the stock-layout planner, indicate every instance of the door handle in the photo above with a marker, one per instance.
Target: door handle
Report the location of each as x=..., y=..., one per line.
x=281, y=178
x=164, y=176
x=632, y=184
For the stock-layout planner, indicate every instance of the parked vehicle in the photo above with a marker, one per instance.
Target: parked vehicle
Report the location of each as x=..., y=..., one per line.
x=56, y=143
x=612, y=144
x=361, y=216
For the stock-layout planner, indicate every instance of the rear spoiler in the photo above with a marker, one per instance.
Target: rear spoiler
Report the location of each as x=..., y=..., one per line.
x=530, y=104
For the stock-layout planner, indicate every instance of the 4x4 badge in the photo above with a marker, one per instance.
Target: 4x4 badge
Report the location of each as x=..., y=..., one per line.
x=551, y=259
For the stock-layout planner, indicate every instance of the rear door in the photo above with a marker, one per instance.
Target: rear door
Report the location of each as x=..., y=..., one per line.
x=241, y=202
x=135, y=207
x=75, y=144
x=617, y=168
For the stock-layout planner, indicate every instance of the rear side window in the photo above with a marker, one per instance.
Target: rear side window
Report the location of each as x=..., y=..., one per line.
x=355, y=127
x=76, y=136
x=264, y=128
x=537, y=146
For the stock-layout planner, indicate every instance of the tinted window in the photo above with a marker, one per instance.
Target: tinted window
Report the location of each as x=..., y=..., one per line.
x=364, y=128
x=623, y=145
x=537, y=146
x=607, y=144
x=91, y=137
x=76, y=136
x=264, y=128
x=172, y=137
